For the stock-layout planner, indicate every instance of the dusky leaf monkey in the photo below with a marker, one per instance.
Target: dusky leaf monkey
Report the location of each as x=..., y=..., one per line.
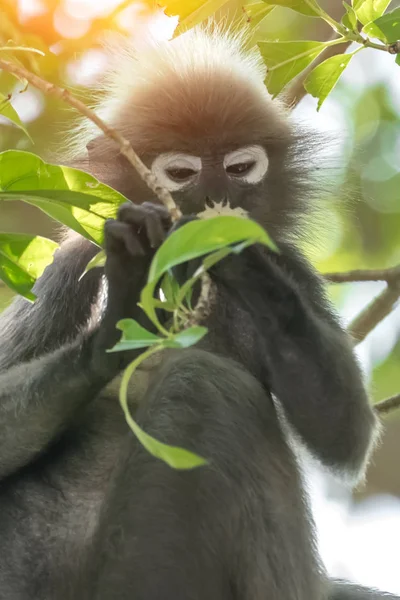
x=85, y=512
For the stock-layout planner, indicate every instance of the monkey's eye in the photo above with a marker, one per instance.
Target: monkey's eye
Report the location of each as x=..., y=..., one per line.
x=240, y=168
x=176, y=170
x=248, y=164
x=180, y=174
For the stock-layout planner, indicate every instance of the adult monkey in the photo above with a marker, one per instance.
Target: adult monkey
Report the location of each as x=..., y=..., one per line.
x=85, y=511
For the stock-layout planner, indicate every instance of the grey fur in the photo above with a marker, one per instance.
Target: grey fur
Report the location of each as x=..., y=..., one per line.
x=87, y=513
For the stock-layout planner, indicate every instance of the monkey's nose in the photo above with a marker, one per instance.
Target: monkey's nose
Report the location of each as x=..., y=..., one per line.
x=211, y=202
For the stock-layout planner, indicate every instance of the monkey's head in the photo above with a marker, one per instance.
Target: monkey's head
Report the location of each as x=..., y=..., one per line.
x=197, y=112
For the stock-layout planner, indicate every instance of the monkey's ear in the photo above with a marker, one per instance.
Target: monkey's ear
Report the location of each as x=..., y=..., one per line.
x=106, y=163
x=99, y=147
x=103, y=159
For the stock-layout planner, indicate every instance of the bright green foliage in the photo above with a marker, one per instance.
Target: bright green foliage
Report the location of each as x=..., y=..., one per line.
x=200, y=237
x=97, y=261
x=386, y=28
x=369, y=10
x=186, y=338
x=321, y=81
x=256, y=11
x=285, y=60
x=349, y=20
x=310, y=8
x=191, y=12
x=70, y=196
x=134, y=336
x=170, y=288
x=9, y=112
x=175, y=457
x=23, y=258
x=195, y=239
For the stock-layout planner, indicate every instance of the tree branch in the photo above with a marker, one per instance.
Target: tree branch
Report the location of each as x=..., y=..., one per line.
x=125, y=147
x=390, y=275
x=380, y=307
x=385, y=406
x=374, y=313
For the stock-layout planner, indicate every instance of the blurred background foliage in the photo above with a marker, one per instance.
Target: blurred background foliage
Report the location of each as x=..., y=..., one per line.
x=362, y=116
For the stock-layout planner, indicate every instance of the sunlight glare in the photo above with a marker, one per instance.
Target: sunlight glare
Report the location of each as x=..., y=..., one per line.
x=68, y=26
x=30, y=8
x=87, y=9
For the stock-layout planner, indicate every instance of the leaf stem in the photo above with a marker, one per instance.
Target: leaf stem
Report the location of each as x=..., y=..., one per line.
x=366, y=42
x=326, y=17
x=129, y=371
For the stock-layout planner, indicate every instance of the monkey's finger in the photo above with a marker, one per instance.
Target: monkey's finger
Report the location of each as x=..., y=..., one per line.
x=161, y=211
x=146, y=216
x=154, y=230
x=119, y=236
x=137, y=214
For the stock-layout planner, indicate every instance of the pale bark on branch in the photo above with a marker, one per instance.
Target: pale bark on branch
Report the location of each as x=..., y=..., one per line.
x=388, y=405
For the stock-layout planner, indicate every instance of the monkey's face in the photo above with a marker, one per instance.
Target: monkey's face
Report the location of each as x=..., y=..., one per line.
x=212, y=184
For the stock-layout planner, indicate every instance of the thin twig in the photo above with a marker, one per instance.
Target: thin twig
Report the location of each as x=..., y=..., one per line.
x=385, y=406
x=380, y=306
x=390, y=275
x=374, y=313
x=203, y=306
x=124, y=144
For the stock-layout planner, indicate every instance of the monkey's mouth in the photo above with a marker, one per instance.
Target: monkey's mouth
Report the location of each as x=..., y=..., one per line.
x=223, y=208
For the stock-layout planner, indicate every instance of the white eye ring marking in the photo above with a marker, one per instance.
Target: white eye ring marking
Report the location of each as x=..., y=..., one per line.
x=175, y=160
x=249, y=154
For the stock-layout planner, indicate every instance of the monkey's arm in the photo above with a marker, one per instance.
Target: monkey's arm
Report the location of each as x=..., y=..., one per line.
x=62, y=308
x=342, y=590
x=305, y=358
x=39, y=398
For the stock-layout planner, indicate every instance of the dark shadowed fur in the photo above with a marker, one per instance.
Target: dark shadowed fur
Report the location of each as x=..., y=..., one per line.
x=85, y=512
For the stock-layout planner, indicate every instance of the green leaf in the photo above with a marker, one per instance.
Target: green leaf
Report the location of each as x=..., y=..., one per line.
x=285, y=60
x=195, y=239
x=386, y=28
x=398, y=59
x=186, y=338
x=23, y=259
x=134, y=336
x=97, y=261
x=310, y=9
x=170, y=288
x=349, y=20
x=191, y=12
x=69, y=195
x=369, y=10
x=256, y=12
x=175, y=457
x=200, y=237
x=321, y=81
x=8, y=111
x=168, y=306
